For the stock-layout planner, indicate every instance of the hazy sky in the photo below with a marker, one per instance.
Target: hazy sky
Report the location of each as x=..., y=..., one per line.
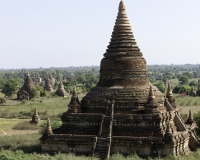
x=62, y=33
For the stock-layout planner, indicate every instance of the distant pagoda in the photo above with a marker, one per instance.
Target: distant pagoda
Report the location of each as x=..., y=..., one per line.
x=124, y=112
x=48, y=86
x=61, y=91
x=51, y=79
x=38, y=78
x=23, y=93
x=35, y=117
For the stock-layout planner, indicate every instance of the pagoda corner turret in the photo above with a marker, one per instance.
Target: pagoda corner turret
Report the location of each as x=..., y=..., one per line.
x=74, y=106
x=140, y=117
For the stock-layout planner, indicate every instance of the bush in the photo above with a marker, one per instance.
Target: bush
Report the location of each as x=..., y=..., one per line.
x=42, y=91
x=184, y=79
x=33, y=93
x=25, y=126
x=160, y=86
x=24, y=114
x=176, y=89
x=185, y=89
x=23, y=101
x=10, y=87
x=198, y=92
x=193, y=83
x=182, y=89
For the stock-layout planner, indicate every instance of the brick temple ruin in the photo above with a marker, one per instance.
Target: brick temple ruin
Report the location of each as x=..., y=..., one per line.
x=24, y=91
x=124, y=112
x=61, y=90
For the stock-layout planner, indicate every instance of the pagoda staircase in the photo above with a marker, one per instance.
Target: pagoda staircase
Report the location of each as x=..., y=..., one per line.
x=103, y=142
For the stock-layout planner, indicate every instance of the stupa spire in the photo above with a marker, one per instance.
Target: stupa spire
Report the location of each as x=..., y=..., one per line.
x=35, y=117
x=169, y=95
x=190, y=119
x=151, y=105
x=122, y=6
x=60, y=85
x=49, y=130
x=35, y=111
x=122, y=37
x=74, y=105
x=74, y=91
x=169, y=90
x=151, y=94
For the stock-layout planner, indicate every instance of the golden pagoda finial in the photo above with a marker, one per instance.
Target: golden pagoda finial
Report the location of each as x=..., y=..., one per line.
x=49, y=130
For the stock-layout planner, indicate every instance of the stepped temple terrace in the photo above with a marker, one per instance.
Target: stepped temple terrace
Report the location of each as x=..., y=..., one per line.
x=124, y=112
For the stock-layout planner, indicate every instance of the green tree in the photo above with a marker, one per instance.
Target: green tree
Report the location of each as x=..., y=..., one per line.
x=185, y=89
x=160, y=86
x=42, y=91
x=176, y=89
x=10, y=87
x=183, y=79
x=193, y=83
x=33, y=93
x=189, y=75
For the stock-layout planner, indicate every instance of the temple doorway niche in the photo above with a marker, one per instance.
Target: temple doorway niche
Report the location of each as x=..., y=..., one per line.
x=154, y=152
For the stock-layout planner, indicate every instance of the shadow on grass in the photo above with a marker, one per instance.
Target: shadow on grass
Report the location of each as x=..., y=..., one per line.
x=30, y=149
x=25, y=149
